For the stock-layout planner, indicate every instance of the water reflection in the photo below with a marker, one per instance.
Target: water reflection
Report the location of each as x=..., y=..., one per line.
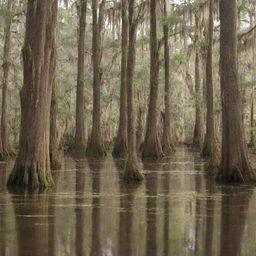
x=79, y=210
x=92, y=212
x=33, y=218
x=235, y=203
x=151, y=207
x=96, y=166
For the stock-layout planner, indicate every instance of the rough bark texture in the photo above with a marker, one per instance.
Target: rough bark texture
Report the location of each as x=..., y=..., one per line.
x=235, y=166
x=120, y=147
x=54, y=140
x=95, y=146
x=5, y=81
x=139, y=130
x=252, y=133
x=152, y=147
x=167, y=143
x=210, y=148
x=199, y=129
x=131, y=167
x=32, y=165
x=80, y=133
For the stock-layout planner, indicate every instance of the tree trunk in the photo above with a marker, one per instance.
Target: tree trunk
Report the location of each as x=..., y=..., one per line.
x=32, y=166
x=5, y=81
x=167, y=143
x=210, y=148
x=80, y=133
x=139, y=131
x=152, y=147
x=235, y=166
x=54, y=140
x=95, y=146
x=131, y=168
x=199, y=129
x=120, y=147
x=252, y=135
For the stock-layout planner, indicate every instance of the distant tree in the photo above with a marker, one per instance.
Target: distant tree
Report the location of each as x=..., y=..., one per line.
x=152, y=146
x=167, y=142
x=132, y=172
x=95, y=145
x=80, y=132
x=120, y=147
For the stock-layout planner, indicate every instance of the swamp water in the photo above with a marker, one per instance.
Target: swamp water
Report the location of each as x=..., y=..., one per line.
x=176, y=211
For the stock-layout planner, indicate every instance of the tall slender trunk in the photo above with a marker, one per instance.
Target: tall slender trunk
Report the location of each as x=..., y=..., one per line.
x=32, y=165
x=120, y=147
x=152, y=147
x=199, y=129
x=5, y=81
x=210, y=148
x=131, y=167
x=80, y=133
x=252, y=133
x=95, y=145
x=167, y=143
x=235, y=165
x=54, y=140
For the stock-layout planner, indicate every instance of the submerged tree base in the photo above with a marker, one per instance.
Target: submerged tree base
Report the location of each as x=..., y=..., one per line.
x=152, y=149
x=132, y=173
x=120, y=149
x=95, y=150
x=30, y=176
x=236, y=175
x=169, y=148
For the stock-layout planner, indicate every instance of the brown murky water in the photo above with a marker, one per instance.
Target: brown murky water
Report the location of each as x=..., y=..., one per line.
x=176, y=211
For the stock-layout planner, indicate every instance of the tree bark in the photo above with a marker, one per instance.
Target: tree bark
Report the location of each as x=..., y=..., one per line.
x=167, y=143
x=120, y=147
x=199, y=129
x=210, y=148
x=54, y=140
x=95, y=146
x=80, y=133
x=5, y=81
x=32, y=165
x=152, y=147
x=131, y=167
x=235, y=165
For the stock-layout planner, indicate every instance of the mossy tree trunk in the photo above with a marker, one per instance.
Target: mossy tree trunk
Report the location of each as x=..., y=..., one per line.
x=80, y=131
x=235, y=166
x=120, y=147
x=167, y=143
x=210, y=147
x=152, y=147
x=199, y=128
x=132, y=172
x=5, y=80
x=95, y=145
x=32, y=165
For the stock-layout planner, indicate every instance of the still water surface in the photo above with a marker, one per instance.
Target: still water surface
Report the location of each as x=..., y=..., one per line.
x=176, y=211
